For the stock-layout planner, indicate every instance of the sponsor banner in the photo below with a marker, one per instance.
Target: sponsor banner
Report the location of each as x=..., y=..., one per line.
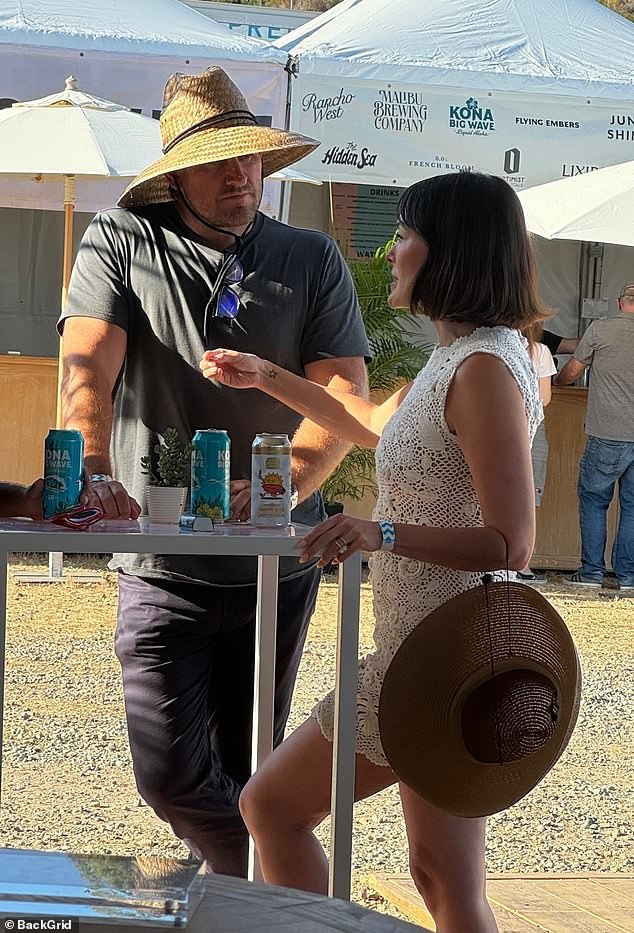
x=388, y=133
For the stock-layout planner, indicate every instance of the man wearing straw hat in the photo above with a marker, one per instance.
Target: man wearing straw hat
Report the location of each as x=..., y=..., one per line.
x=185, y=263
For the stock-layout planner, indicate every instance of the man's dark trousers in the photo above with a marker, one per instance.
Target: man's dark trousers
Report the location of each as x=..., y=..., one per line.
x=187, y=656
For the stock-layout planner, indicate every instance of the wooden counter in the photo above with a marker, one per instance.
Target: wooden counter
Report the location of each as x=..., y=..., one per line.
x=558, y=544
x=28, y=390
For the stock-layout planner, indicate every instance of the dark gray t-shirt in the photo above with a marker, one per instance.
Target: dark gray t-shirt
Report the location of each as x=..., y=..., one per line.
x=151, y=275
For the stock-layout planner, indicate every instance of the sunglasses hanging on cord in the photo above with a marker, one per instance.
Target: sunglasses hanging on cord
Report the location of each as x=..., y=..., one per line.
x=224, y=301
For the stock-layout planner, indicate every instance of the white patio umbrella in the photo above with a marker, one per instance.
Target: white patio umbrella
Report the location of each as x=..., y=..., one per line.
x=597, y=206
x=68, y=139
x=72, y=137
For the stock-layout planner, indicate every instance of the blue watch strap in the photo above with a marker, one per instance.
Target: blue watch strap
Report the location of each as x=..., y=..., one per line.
x=388, y=534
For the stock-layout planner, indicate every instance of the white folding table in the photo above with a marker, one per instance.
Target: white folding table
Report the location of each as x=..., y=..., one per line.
x=235, y=540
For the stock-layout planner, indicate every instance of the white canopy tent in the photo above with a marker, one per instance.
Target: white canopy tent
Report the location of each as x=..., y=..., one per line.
x=124, y=52
x=398, y=90
x=531, y=90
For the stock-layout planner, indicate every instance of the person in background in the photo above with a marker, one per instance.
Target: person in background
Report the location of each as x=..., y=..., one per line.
x=18, y=501
x=557, y=344
x=608, y=459
x=187, y=262
x=545, y=367
x=455, y=500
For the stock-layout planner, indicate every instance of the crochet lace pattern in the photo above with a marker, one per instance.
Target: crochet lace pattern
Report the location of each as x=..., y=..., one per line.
x=423, y=479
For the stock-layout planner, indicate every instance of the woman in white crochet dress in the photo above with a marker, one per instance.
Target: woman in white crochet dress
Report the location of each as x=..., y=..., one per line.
x=455, y=499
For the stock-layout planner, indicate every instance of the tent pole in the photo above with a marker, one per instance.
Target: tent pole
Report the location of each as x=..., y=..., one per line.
x=285, y=194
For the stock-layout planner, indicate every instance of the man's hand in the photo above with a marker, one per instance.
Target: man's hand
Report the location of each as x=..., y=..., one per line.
x=112, y=497
x=240, y=493
x=32, y=501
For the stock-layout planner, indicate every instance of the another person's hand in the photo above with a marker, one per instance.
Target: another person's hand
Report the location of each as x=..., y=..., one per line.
x=233, y=369
x=112, y=497
x=240, y=500
x=31, y=506
x=338, y=537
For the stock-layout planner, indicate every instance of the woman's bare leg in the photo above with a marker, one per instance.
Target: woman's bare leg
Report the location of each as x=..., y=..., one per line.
x=289, y=796
x=446, y=855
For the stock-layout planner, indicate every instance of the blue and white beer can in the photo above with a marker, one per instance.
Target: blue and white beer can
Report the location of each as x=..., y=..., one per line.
x=211, y=473
x=63, y=471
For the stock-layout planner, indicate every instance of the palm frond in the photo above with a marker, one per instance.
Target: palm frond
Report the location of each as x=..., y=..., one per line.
x=395, y=360
x=354, y=476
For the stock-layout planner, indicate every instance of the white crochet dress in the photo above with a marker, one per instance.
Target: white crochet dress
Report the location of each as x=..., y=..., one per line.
x=423, y=479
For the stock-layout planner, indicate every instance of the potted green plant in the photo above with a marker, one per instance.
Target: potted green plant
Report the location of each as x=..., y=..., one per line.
x=395, y=360
x=168, y=477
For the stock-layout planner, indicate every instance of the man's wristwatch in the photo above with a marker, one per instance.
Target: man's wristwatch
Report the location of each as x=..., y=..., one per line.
x=388, y=533
x=100, y=478
x=294, y=496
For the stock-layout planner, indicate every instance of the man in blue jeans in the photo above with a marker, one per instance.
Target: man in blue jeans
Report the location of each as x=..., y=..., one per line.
x=608, y=459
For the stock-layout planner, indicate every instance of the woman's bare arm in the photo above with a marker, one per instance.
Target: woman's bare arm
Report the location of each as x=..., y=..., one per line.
x=348, y=416
x=485, y=410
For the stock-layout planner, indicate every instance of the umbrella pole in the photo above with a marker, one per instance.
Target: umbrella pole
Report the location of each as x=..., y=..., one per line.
x=69, y=205
x=55, y=558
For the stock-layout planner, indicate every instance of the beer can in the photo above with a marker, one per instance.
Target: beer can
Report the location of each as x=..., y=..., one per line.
x=63, y=471
x=211, y=463
x=271, y=480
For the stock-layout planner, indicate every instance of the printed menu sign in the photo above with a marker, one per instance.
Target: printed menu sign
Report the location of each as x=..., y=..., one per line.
x=364, y=217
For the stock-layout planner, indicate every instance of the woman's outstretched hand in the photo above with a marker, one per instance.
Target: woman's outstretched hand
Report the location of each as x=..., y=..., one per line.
x=233, y=369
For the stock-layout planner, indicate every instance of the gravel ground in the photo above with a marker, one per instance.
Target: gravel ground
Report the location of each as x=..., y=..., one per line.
x=67, y=777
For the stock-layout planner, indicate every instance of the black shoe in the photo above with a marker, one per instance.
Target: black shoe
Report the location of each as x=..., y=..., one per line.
x=577, y=579
x=531, y=577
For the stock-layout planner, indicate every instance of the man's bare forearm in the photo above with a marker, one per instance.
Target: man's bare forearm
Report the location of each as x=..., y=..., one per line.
x=316, y=452
x=87, y=407
x=93, y=353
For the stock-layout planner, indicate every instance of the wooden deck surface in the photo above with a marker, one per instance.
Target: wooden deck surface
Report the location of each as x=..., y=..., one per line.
x=557, y=903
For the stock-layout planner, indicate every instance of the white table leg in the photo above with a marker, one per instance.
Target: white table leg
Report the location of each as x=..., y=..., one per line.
x=4, y=560
x=264, y=682
x=343, y=762
x=56, y=565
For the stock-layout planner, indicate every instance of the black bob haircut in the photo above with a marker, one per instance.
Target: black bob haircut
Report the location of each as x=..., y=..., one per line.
x=481, y=268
